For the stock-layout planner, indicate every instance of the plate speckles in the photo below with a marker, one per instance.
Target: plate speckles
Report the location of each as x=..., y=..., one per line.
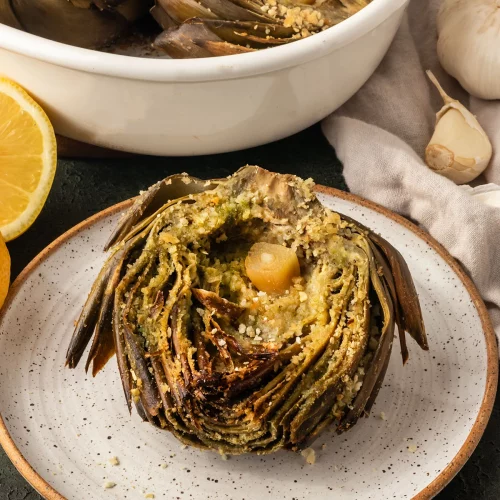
x=68, y=425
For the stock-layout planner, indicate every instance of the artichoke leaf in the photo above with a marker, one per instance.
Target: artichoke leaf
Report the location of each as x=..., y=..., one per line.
x=190, y=40
x=8, y=16
x=251, y=34
x=161, y=17
x=182, y=10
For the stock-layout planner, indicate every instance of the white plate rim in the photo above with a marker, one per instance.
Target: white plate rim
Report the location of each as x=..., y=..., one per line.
x=429, y=491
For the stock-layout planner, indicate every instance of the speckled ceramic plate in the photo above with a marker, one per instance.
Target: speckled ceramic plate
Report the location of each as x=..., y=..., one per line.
x=61, y=427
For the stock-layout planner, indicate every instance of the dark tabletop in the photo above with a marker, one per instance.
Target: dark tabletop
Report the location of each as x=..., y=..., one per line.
x=82, y=188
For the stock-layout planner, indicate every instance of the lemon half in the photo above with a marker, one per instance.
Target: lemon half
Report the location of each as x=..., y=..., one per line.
x=28, y=158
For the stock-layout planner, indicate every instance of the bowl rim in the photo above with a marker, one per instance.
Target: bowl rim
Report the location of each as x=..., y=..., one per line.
x=434, y=486
x=208, y=69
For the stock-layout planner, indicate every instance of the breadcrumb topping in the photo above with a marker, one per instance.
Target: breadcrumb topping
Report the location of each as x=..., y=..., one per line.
x=305, y=21
x=310, y=455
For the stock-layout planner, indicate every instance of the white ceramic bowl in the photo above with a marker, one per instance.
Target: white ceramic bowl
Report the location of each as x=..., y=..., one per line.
x=200, y=106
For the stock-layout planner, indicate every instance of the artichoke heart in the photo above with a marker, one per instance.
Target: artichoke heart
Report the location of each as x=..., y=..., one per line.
x=219, y=362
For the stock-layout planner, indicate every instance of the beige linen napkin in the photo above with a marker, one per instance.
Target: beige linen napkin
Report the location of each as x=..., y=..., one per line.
x=380, y=136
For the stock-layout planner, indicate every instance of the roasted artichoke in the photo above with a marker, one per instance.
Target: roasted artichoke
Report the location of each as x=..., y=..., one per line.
x=192, y=28
x=208, y=28
x=245, y=316
x=85, y=23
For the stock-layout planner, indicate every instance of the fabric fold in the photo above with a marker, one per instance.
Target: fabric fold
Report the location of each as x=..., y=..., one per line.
x=380, y=136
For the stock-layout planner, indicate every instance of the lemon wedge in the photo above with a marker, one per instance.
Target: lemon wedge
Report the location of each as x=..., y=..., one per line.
x=28, y=159
x=4, y=270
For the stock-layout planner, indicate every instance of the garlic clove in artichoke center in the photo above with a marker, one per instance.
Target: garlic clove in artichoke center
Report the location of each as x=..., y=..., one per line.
x=459, y=149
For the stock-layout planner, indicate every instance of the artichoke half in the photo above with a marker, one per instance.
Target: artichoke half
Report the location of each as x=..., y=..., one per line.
x=208, y=28
x=84, y=23
x=247, y=317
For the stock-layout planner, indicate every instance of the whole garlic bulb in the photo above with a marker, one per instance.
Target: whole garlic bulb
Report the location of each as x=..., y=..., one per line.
x=468, y=44
x=459, y=149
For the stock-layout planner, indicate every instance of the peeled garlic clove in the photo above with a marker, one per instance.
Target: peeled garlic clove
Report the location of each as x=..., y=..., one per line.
x=459, y=149
x=271, y=267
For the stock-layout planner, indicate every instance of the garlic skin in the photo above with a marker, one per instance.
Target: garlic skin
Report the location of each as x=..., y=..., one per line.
x=468, y=44
x=459, y=149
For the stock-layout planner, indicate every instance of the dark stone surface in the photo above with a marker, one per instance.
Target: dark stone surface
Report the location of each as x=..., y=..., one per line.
x=83, y=188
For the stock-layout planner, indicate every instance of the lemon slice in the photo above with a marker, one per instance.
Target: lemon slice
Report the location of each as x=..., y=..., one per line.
x=27, y=159
x=4, y=270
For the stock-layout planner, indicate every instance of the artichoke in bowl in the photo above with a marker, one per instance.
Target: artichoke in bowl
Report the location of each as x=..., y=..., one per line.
x=209, y=28
x=191, y=28
x=245, y=316
x=84, y=23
